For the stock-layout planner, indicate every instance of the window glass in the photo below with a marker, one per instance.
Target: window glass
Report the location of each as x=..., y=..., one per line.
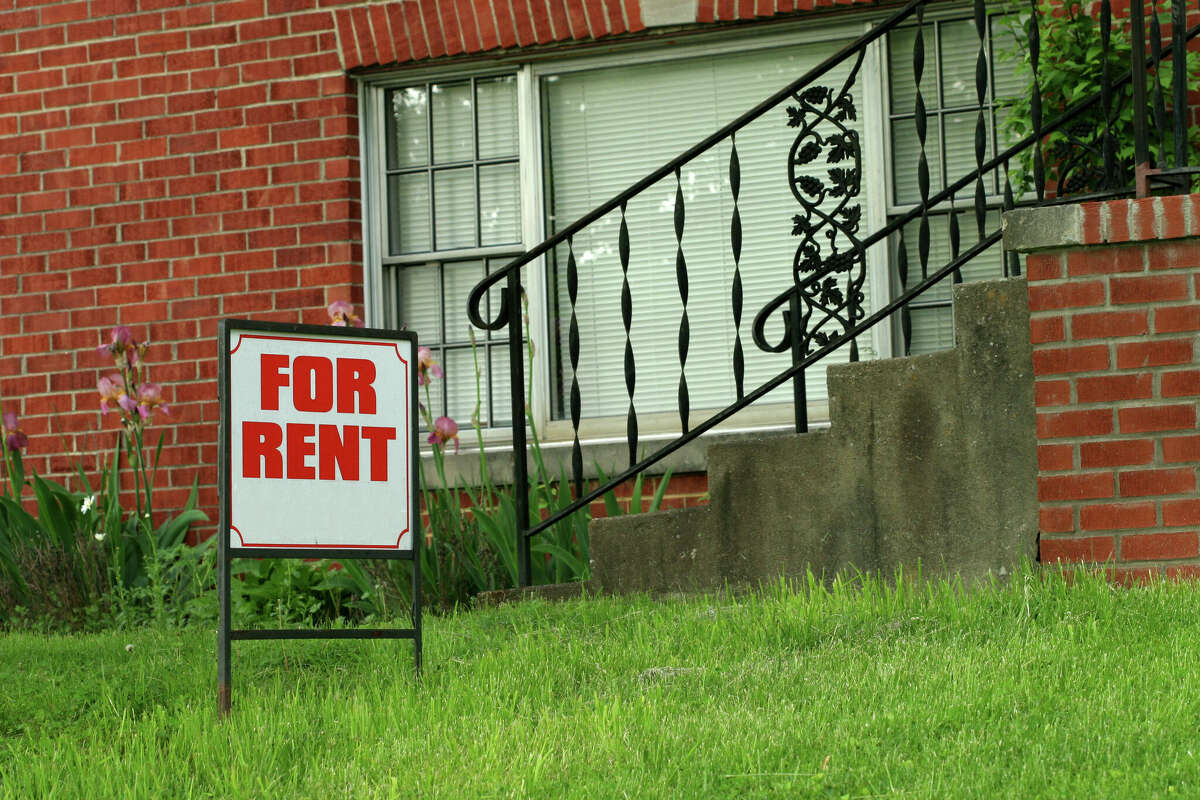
x=608, y=128
x=952, y=109
x=453, y=181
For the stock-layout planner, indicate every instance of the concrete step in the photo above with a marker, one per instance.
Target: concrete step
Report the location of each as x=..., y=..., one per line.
x=929, y=459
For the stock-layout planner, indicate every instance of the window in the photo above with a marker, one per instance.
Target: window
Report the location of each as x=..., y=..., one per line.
x=452, y=171
x=466, y=171
x=949, y=94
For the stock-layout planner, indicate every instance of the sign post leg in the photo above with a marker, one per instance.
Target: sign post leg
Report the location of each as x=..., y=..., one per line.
x=416, y=594
x=224, y=682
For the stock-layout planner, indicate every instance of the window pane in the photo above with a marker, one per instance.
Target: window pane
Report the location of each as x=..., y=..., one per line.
x=501, y=390
x=932, y=329
x=453, y=123
x=985, y=266
x=454, y=204
x=460, y=388
x=417, y=298
x=459, y=279
x=1007, y=53
x=499, y=204
x=497, y=104
x=408, y=213
x=960, y=152
x=900, y=60
x=408, y=144
x=960, y=49
x=906, y=152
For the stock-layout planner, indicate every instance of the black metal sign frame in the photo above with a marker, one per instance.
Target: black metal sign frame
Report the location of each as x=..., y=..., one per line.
x=226, y=552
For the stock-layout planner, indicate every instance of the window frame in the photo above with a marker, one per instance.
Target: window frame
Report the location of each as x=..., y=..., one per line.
x=533, y=66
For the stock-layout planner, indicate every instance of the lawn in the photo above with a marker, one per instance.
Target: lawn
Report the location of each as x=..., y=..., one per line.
x=1034, y=689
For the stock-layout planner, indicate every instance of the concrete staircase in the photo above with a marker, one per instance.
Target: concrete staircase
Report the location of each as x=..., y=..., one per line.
x=928, y=459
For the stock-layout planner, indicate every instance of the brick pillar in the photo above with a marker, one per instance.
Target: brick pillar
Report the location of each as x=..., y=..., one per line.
x=1114, y=299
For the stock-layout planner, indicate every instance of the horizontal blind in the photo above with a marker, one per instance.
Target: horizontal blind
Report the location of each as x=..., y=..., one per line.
x=607, y=129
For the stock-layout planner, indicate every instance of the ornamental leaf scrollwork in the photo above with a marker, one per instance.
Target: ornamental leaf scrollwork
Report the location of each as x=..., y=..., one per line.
x=825, y=177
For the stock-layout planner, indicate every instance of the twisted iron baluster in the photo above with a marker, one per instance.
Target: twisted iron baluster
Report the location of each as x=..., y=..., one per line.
x=1012, y=263
x=1035, y=103
x=516, y=365
x=631, y=426
x=735, y=242
x=1137, y=35
x=1160, y=103
x=681, y=277
x=1109, y=146
x=573, y=348
x=1179, y=78
x=956, y=276
x=922, y=161
x=902, y=274
x=981, y=90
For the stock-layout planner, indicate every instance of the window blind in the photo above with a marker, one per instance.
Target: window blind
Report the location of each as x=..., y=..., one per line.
x=608, y=128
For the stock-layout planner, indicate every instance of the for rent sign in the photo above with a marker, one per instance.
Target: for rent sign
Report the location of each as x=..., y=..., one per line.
x=320, y=432
x=318, y=459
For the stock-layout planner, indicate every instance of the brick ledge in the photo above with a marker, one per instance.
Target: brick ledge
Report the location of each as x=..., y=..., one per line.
x=1109, y=222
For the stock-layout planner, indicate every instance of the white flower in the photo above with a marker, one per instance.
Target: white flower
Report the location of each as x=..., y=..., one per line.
x=100, y=537
x=129, y=648
x=88, y=502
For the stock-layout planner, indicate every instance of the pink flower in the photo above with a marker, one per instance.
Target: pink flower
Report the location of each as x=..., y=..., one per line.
x=15, y=438
x=426, y=366
x=341, y=314
x=444, y=429
x=112, y=389
x=149, y=396
x=123, y=346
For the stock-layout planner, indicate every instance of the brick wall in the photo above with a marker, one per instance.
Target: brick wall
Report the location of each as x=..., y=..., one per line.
x=1114, y=324
x=164, y=164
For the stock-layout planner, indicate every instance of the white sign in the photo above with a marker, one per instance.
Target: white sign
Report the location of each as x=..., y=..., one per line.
x=320, y=439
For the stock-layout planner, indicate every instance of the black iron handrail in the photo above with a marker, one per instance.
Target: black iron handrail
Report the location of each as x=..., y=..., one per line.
x=816, y=292
x=1063, y=120
x=475, y=299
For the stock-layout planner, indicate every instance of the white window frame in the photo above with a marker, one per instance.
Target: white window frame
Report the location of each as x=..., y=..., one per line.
x=530, y=69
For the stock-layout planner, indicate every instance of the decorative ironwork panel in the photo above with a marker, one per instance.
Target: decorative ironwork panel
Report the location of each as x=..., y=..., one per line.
x=829, y=305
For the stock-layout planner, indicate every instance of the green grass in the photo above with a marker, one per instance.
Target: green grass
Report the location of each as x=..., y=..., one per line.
x=1033, y=690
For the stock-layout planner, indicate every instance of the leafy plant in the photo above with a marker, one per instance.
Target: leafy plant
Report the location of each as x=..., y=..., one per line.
x=1070, y=69
x=82, y=550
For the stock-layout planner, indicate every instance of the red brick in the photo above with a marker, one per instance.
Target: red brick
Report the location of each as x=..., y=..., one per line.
x=1184, y=383
x=1141, y=576
x=1116, y=453
x=1156, y=418
x=1152, y=289
x=1110, y=388
x=1117, y=516
x=1177, y=318
x=1059, y=360
x=1154, y=353
x=1062, y=424
x=1055, y=457
x=1057, y=519
x=1109, y=324
x=1178, y=449
x=1172, y=255
x=1085, y=486
x=1104, y=261
x=1174, y=221
x=1091, y=222
x=1077, y=294
x=1181, y=512
x=1157, y=546
x=1093, y=548
x=1149, y=482
x=1184, y=571
x=1046, y=329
